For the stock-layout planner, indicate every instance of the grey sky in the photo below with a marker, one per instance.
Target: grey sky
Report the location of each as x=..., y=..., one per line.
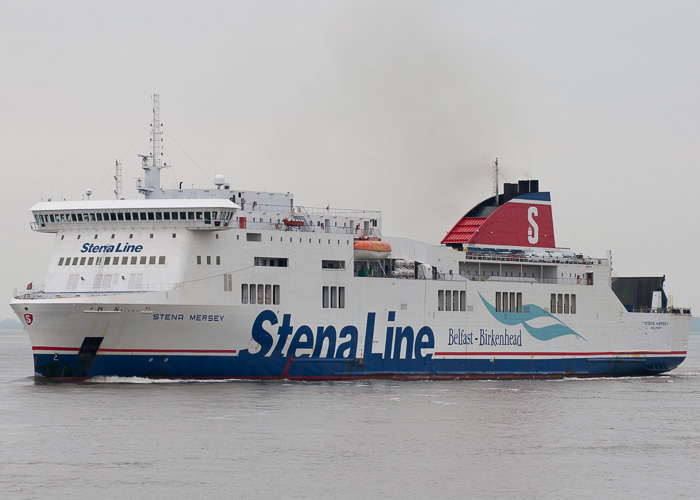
x=392, y=105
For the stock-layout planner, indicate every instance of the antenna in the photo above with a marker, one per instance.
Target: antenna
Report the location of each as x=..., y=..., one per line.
x=156, y=134
x=495, y=181
x=117, y=179
x=150, y=187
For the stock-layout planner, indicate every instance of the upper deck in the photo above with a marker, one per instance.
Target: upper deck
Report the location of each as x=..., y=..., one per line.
x=212, y=214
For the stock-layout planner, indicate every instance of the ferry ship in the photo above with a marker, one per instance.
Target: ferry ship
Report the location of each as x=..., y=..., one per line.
x=223, y=283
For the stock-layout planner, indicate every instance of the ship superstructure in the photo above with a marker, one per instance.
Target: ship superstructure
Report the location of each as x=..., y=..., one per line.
x=233, y=283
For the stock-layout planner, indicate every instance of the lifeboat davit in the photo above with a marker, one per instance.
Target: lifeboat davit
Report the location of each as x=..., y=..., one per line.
x=371, y=250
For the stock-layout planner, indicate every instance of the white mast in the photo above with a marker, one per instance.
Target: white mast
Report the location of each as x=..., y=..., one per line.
x=117, y=179
x=150, y=187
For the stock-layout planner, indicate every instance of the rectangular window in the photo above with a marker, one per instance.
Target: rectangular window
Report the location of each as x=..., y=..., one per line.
x=553, y=303
x=261, y=294
x=455, y=300
x=573, y=303
x=152, y=259
x=332, y=264
x=127, y=216
x=218, y=260
x=151, y=216
x=75, y=261
x=448, y=300
x=161, y=259
x=566, y=303
x=190, y=215
x=252, y=294
x=115, y=262
x=276, y=294
x=244, y=293
x=441, y=300
x=334, y=297
x=120, y=216
x=512, y=304
x=174, y=215
x=505, y=301
x=268, y=293
x=183, y=215
x=209, y=260
x=159, y=215
x=326, y=297
x=462, y=300
x=113, y=216
x=125, y=261
x=108, y=260
x=560, y=303
x=341, y=297
x=519, y=307
x=199, y=259
x=143, y=215
x=143, y=260
x=270, y=261
x=498, y=302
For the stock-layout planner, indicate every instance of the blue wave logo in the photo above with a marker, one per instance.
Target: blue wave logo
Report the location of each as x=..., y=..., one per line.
x=559, y=329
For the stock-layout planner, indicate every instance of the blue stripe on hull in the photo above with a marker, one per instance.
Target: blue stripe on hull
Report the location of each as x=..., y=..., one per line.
x=72, y=367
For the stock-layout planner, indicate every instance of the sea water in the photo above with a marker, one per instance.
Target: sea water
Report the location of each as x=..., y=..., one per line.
x=133, y=438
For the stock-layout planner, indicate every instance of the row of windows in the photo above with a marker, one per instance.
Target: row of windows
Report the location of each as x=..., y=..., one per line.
x=271, y=262
x=563, y=303
x=452, y=300
x=256, y=294
x=258, y=237
x=512, y=302
x=208, y=260
x=132, y=216
x=106, y=261
x=333, y=297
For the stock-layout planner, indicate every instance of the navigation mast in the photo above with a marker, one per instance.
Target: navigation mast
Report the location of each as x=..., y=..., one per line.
x=149, y=186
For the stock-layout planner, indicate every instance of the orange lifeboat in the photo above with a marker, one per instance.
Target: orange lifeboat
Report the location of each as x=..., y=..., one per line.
x=371, y=250
x=293, y=221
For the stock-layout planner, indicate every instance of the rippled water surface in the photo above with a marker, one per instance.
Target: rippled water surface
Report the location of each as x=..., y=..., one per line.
x=592, y=438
